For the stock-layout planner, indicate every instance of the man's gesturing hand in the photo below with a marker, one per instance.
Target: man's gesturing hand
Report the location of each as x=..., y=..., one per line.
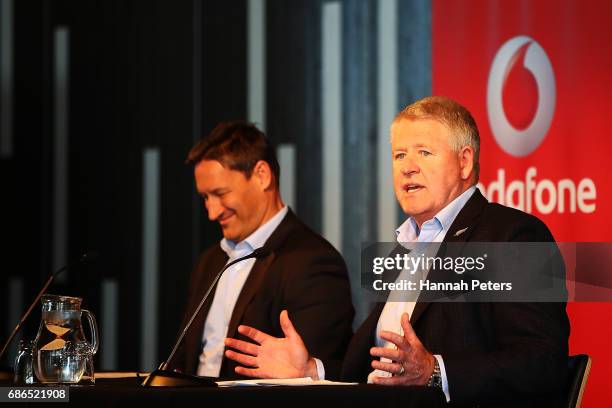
x=412, y=363
x=272, y=357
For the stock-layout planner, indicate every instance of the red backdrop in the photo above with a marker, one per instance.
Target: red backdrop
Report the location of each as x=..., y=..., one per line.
x=553, y=82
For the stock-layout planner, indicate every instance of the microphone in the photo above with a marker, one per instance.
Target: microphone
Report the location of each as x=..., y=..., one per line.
x=88, y=256
x=162, y=377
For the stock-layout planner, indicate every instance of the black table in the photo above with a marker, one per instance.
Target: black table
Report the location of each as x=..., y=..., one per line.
x=119, y=393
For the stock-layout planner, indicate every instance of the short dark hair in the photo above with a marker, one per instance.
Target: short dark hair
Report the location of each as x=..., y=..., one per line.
x=237, y=145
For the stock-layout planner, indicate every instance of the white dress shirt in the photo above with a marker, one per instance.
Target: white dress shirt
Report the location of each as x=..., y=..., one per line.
x=226, y=294
x=409, y=234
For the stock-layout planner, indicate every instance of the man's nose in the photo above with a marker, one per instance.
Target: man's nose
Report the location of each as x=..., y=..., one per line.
x=214, y=208
x=409, y=167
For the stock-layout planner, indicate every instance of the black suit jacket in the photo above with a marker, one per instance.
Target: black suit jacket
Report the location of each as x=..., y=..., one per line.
x=303, y=273
x=494, y=353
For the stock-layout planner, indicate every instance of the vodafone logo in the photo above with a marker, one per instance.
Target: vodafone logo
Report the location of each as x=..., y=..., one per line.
x=521, y=96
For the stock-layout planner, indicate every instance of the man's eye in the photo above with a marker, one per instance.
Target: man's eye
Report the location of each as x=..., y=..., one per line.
x=400, y=156
x=424, y=153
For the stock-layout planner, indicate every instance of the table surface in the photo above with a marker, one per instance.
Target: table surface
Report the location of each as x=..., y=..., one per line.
x=129, y=392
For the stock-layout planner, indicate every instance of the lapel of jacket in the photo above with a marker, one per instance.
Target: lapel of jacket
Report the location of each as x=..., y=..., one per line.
x=354, y=366
x=260, y=270
x=211, y=265
x=250, y=288
x=392, y=274
x=459, y=231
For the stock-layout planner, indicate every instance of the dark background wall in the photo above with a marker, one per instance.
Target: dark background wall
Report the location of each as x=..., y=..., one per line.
x=156, y=76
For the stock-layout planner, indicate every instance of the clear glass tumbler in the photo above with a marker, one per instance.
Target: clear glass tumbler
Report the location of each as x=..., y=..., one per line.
x=24, y=373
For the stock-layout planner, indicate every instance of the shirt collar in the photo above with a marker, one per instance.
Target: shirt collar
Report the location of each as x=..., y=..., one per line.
x=257, y=238
x=409, y=230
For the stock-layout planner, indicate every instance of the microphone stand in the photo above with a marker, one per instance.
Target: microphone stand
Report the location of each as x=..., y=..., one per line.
x=162, y=376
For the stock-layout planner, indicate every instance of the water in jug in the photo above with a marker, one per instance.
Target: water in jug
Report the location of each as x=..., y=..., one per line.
x=62, y=353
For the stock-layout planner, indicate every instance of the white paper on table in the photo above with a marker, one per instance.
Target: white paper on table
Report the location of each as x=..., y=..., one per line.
x=280, y=381
x=120, y=374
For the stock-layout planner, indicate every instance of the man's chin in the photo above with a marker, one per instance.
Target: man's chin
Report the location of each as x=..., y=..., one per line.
x=411, y=210
x=414, y=212
x=228, y=233
x=232, y=235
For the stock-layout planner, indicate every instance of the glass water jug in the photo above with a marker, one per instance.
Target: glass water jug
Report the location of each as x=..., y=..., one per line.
x=62, y=354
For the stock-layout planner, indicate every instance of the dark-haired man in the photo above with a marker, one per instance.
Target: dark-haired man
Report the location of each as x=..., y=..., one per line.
x=478, y=353
x=237, y=175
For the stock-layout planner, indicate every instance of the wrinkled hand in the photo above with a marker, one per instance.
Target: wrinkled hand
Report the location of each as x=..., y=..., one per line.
x=272, y=357
x=417, y=362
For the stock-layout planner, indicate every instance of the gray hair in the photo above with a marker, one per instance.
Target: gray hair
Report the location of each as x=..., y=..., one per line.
x=453, y=115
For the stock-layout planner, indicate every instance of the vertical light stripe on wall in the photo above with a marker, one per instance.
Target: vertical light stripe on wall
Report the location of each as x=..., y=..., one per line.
x=387, y=105
x=196, y=203
x=331, y=110
x=61, y=92
x=6, y=78
x=286, y=161
x=110, y=323
x=150, y=260
x=359, y=140
x=15, y=309
x=256, y=60
x=414, y=56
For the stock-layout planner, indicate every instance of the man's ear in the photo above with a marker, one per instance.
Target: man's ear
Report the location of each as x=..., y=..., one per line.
x=466, y=162
x=263, y=175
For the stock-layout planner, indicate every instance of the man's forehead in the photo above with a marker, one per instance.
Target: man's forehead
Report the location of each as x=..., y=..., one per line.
x=211, y=174
x=420, y=131
x=207, y=166
x=404, y=124
x=214, y=167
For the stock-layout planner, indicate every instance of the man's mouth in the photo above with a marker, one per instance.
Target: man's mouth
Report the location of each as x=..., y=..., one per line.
x=412, y=187
x=223, y=220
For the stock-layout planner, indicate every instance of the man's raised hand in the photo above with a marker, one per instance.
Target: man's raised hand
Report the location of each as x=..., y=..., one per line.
x=412, y=363
x=272, y=357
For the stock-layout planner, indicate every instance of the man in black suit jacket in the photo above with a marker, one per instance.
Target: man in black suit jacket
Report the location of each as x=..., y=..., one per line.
x=491, y=353
x=237, y=175
x=495, y=352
